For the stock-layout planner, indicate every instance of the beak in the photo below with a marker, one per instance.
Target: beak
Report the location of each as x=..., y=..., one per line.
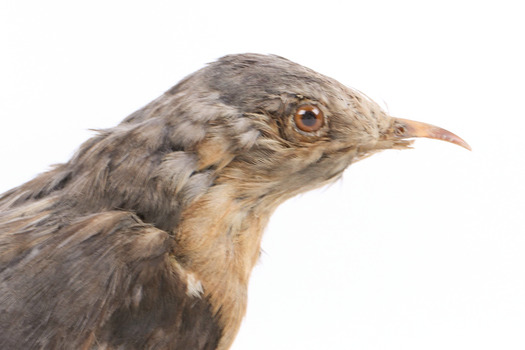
x=404, y=128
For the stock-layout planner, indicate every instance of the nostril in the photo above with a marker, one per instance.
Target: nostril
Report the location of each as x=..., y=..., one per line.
x=400, y=130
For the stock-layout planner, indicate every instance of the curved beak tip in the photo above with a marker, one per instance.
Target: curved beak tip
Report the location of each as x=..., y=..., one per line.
x=405, y=128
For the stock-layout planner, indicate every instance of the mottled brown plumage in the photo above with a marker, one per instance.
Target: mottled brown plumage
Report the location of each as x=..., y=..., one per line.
x=146, y=238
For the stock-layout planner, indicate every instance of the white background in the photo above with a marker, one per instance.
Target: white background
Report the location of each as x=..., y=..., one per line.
x=417, y=249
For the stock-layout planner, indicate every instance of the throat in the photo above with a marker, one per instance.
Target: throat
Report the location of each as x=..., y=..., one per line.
x=218, y=241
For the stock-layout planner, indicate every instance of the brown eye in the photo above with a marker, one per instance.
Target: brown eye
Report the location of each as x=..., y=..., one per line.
x=309, y=118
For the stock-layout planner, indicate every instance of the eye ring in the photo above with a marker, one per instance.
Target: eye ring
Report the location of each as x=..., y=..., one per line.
x=309, y=118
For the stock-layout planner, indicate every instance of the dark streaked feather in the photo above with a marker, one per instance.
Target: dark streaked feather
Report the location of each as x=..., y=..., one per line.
x=101, y=280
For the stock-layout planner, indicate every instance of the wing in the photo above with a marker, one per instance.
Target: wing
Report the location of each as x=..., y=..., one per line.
x=105, y=280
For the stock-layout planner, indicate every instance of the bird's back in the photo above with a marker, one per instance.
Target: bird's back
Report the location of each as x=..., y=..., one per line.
x=81, y=264
x=103, y=280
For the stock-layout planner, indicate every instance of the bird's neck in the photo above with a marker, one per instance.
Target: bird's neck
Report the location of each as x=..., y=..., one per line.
x=219, y=242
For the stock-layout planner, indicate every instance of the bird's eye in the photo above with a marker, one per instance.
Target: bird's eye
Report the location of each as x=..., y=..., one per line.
x=309, y=118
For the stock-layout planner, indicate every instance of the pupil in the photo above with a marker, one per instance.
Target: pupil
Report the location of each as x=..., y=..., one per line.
x=309, y=118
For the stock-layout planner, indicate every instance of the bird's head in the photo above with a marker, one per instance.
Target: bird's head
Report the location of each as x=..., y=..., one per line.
x=250, y=129
x=275, y=128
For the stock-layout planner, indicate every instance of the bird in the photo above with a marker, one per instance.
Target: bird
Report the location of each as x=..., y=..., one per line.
x=146, y=237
